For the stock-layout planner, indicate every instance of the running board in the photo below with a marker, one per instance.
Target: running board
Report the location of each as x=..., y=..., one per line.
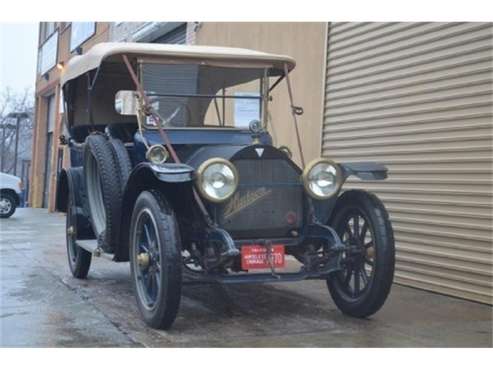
x=92, y=247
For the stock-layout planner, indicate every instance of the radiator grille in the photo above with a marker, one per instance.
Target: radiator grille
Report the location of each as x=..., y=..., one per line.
x=270, y=194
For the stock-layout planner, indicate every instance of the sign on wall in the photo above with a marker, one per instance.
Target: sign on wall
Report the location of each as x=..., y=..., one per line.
x=48, y=54
x=80, y=32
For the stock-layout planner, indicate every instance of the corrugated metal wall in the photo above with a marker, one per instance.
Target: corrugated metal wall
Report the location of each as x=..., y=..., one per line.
x=418, y=97
x=176, y=36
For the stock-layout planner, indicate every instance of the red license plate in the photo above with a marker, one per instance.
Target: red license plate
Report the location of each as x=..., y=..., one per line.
x=255, y=257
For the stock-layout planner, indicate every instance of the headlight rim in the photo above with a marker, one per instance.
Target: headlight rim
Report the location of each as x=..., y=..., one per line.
x=199, y=177
x=152, y=147
x=306, y=182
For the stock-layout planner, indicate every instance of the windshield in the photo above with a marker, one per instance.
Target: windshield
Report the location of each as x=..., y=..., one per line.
x=192, y=95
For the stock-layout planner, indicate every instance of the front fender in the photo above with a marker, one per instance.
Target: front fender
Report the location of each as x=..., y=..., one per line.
x=149, y=176
x=169, y=172
x=145, y=176
x=364, y=170
x=368, y=171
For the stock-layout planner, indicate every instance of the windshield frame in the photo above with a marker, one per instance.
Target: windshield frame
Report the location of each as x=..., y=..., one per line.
x=263, y=92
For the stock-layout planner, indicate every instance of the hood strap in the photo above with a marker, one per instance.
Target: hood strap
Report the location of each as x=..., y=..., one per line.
x=294, y=112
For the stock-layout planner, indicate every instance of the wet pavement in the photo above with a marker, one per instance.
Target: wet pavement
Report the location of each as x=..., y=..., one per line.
x=42, y=305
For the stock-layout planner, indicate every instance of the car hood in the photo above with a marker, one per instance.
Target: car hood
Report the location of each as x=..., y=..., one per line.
x=9, y=181
x=236, y=152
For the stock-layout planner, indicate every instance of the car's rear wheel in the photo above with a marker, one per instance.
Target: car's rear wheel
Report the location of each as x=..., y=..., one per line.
x=7, y=205
x=362, y=286
x=155, y=259
x=79, y=260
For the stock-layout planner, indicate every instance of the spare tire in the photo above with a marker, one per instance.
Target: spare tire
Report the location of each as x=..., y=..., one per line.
x=122, y=160
x=104, y=190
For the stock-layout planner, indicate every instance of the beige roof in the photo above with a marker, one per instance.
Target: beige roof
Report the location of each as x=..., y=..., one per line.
x=98, y=53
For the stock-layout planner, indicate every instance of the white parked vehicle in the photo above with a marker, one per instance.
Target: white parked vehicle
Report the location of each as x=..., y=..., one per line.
x=10, y=194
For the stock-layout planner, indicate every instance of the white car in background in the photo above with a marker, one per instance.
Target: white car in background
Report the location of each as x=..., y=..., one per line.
x=10, y=194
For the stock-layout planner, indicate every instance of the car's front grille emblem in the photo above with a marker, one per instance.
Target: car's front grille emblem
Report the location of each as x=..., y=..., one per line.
x=245, y=199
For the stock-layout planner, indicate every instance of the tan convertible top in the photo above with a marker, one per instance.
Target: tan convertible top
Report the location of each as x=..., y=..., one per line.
x=81, y=64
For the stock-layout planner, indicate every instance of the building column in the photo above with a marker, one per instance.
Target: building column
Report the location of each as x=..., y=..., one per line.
x=54, y=152
x=38, y=155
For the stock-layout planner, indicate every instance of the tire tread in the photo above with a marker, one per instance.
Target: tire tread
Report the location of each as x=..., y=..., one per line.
x=384, y=273
x=165, y=313
x=13, y=203
x=98, y=146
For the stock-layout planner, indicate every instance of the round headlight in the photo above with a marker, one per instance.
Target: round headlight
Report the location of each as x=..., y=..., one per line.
x=217, y=179
x=322, y=178
x=157, y=154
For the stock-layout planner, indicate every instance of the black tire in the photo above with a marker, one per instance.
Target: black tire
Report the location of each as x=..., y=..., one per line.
x=8, y=205
x=158, y=306
x=104, y=190
x=371, y=259
x=122, y=160
x=79, y=260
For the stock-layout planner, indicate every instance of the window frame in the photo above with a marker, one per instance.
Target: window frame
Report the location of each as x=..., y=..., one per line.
x=72, y=48
x=40, y=52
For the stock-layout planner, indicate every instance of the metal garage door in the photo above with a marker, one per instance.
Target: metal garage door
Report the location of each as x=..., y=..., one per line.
x=418, y=97
x=176, y=36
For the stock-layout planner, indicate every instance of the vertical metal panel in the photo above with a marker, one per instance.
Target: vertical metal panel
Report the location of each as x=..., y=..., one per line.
x=418, y=97
x=176, y=36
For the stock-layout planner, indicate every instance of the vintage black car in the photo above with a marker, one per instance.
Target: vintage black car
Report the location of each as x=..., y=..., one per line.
x=173, y=169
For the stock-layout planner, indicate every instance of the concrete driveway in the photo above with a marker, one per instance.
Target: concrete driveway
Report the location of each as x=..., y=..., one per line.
x=43, y=306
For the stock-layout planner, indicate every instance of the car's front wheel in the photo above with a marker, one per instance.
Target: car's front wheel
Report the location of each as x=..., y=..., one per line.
x=7, y=205
x=363, y=284
x=155, y=259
